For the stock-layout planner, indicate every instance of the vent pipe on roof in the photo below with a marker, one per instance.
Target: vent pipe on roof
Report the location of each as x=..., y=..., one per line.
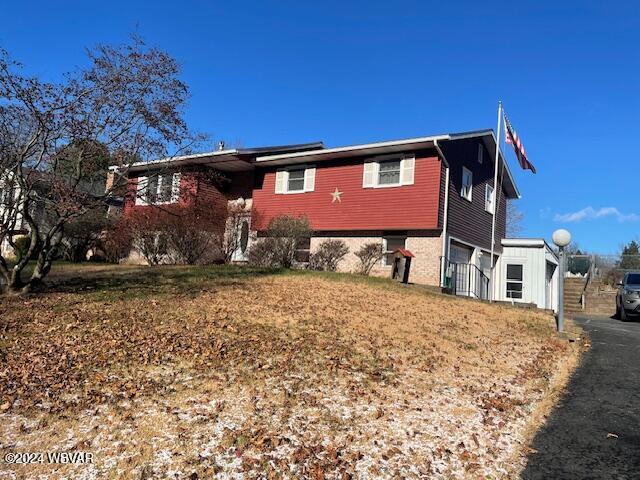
x=221, y=145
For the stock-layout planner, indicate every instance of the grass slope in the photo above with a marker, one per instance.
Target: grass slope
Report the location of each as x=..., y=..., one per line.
x=246, y=373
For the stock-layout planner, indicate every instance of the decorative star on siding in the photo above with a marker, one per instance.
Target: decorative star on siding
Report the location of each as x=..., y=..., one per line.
x=336, y=196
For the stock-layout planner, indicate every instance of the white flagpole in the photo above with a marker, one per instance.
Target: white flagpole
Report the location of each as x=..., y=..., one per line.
x=495, y=199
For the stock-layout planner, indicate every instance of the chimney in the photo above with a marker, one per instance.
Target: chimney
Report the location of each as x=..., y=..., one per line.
x=221, y=145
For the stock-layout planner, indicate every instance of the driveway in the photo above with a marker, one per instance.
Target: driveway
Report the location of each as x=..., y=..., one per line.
x=595, y=431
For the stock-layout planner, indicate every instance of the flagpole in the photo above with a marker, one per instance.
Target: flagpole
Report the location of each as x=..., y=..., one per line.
x=495, y=198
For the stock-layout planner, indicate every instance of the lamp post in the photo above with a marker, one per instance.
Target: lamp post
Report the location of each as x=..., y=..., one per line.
x=561, y=238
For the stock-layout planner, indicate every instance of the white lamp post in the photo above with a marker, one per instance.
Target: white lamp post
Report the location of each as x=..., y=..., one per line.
x=561, y=238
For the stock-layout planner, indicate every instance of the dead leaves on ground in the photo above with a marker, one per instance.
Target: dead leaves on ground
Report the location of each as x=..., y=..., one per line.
x=292, y=343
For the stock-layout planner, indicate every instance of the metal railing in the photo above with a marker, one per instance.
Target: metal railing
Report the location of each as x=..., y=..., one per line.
x=465, y=279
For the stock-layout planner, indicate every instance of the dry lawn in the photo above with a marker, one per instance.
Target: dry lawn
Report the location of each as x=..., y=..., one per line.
x=206, y=375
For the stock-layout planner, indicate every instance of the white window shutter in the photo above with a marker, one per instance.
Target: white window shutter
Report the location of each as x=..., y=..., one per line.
x=141, y=191
x=175, y=187
x=407, y=169
x=281, y=181
x=369, y=176
x=309, y=179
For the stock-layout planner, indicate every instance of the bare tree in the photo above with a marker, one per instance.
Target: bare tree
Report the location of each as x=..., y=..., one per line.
x=57, y=140
x=514, y=220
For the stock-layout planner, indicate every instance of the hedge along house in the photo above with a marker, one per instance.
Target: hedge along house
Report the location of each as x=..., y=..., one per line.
x=217, y=179
x=430, y=195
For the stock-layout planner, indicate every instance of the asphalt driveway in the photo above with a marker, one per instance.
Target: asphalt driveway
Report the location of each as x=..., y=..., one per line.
x=595, y=431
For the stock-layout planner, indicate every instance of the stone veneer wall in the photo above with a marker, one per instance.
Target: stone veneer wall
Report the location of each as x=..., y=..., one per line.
x=425, y=267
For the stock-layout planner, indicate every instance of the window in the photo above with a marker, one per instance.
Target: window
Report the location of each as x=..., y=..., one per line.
x=467, y=184
x=480, y=153
x=514, y=281
x=296, y=180
x=488, y=198
x=163, y=188
x=303, y=249
x=389, y=172
x=390, y=245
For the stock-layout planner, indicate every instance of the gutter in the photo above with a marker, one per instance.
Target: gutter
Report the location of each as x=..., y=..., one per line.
x=445, y=217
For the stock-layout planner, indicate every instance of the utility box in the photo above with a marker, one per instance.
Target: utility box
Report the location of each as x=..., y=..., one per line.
x=401, y=265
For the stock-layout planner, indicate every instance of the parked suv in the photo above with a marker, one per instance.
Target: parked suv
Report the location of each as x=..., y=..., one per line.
x=628, y=297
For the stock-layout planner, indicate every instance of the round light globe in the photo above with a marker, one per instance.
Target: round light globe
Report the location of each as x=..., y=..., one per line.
x=561, y=237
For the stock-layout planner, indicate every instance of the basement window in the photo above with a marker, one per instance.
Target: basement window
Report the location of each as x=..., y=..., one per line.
x=514, y=281
x=303, y=250
x=390, y=245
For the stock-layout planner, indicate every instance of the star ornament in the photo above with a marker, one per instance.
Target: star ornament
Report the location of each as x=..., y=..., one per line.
x=336, y=196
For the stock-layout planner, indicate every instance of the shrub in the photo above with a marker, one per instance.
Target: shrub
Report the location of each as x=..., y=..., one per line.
x=192, y=233
x=116, y=241
x=83, y=234
x=328, y=255
x=262, y=253
x=284, y=236
x=368, y=255
x=22, y=244
x=148, y=236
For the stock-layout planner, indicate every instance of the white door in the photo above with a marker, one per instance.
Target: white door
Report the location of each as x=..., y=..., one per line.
x=548, y=284
x=242, y=236
x=461, y=257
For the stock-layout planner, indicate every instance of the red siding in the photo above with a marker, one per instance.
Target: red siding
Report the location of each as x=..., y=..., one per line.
x=394, y=208
x=196, y=186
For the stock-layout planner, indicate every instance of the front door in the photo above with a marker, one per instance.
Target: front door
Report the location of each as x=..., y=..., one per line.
x=242, y=240
x=460, y=256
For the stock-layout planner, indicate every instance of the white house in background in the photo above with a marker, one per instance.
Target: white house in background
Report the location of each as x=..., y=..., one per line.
x=527, y=272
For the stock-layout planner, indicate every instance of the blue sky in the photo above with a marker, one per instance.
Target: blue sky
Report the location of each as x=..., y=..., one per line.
x=349, y=72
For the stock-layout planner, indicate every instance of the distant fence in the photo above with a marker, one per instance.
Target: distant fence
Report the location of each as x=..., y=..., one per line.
x=609, y=268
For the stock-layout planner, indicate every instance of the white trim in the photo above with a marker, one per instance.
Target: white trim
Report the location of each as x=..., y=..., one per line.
x=308, y=179
x=353, y=148
x=515, y=261
x=468, y=197
x=143, y=182
x=371, y=169
x=489, y=205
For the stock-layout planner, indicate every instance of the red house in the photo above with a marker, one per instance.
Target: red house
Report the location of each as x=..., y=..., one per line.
x=431, y=195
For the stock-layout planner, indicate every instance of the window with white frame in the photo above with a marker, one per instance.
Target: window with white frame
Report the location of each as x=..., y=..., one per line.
x=299, y=179
x=295, y=182
x=467, y=184
x=158, y=189
x=390, y=244
x=488, y=198
x=514, y=280
x=389, y=171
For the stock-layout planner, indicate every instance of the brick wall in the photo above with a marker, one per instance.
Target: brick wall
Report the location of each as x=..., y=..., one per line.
x=425, y=267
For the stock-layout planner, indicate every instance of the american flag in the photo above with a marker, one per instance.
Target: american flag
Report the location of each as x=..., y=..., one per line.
x=510, y=136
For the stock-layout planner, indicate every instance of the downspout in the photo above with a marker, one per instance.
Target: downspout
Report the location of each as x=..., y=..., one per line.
x=445, y=213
